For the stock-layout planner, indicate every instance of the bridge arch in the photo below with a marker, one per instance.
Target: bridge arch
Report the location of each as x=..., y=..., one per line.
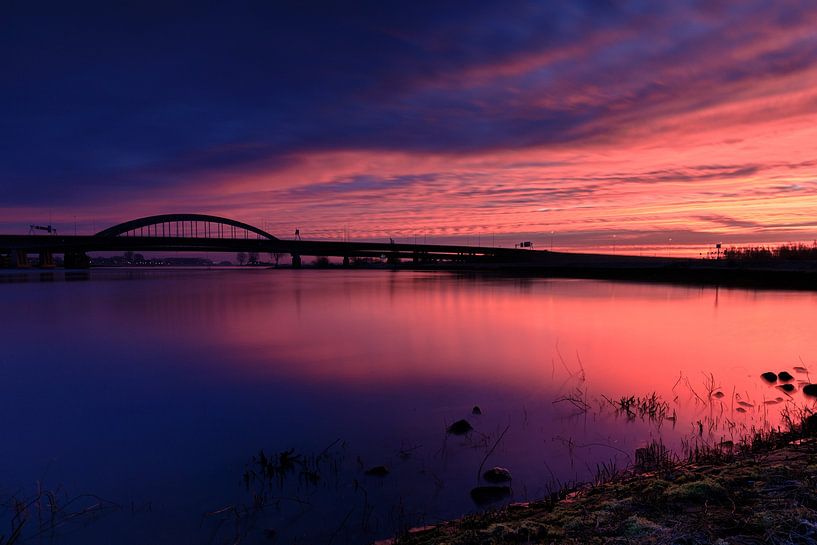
x=184, y=225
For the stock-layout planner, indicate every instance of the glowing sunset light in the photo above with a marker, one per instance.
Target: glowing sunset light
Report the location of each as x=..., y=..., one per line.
x=578, y=123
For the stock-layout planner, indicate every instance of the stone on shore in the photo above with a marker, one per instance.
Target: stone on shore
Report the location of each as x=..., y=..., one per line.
x=483, y=495
x=810, y=390
x=377, y=471
x=497, y=475
x=460, y=427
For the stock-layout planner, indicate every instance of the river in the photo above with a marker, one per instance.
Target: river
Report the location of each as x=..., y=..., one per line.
x=134, y=401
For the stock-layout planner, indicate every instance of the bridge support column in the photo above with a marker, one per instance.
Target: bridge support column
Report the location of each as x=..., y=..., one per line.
x=346, y=261
x=296, y=261
x=46, y=259
x=19, y=259
x=76, y=260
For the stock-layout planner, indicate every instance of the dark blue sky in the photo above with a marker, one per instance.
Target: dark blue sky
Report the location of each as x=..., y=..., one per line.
x=323, y=110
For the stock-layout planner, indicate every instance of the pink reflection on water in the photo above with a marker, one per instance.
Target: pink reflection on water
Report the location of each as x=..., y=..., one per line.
x=374, y=329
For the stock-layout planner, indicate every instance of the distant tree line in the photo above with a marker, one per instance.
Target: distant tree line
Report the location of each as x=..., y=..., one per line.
x=250, y=258
x=792, y=251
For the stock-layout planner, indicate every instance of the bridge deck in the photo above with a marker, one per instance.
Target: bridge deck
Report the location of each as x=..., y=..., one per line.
x=94, y=243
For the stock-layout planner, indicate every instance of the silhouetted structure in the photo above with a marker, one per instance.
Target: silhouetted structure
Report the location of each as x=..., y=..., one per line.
x=205, y=233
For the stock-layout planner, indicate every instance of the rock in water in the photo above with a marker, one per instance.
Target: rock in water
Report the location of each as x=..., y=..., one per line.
x=476, y=410
x=377, y=471
x=497, y=475
x=784, y=376
x=769, y=377
x=483, y=495
x=810, y=390
x=460, y=427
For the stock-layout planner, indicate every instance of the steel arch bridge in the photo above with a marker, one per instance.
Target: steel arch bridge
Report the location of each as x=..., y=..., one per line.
x=186, y=226
x=207, y=233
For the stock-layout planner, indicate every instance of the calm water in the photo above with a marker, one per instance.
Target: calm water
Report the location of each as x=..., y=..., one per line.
x=142, y=396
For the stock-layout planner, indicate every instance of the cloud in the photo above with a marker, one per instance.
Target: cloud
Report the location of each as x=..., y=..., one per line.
x=454, y=117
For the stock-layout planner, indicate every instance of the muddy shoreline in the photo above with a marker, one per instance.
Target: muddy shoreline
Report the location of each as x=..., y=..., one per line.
x=764, y=491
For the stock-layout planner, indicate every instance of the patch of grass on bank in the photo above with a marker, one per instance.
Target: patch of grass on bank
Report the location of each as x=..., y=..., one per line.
x=762, y=491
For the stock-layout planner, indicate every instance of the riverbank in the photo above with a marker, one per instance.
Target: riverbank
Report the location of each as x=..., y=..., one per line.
x=752, y=274
x=763, y=494
x=756, y=273
x=732, y=277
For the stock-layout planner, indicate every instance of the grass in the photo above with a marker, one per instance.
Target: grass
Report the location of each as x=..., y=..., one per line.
x=47, y=514
x=695, y=491
x=650, y=407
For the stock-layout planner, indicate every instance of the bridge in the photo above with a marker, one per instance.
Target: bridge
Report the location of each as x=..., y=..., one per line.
x=206, y=233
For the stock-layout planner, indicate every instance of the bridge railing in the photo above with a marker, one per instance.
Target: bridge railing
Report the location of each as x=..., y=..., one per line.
x=191, y=229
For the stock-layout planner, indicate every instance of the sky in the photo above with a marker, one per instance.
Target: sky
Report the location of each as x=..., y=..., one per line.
x=582, y=124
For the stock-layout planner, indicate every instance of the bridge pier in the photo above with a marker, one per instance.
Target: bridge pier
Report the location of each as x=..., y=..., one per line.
x=76, y=259
x=346, y=261
x=19, y=259
x=296, y=261
x=46, y=259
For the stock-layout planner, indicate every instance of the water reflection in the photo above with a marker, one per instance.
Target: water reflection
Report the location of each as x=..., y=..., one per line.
x=157, y=387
